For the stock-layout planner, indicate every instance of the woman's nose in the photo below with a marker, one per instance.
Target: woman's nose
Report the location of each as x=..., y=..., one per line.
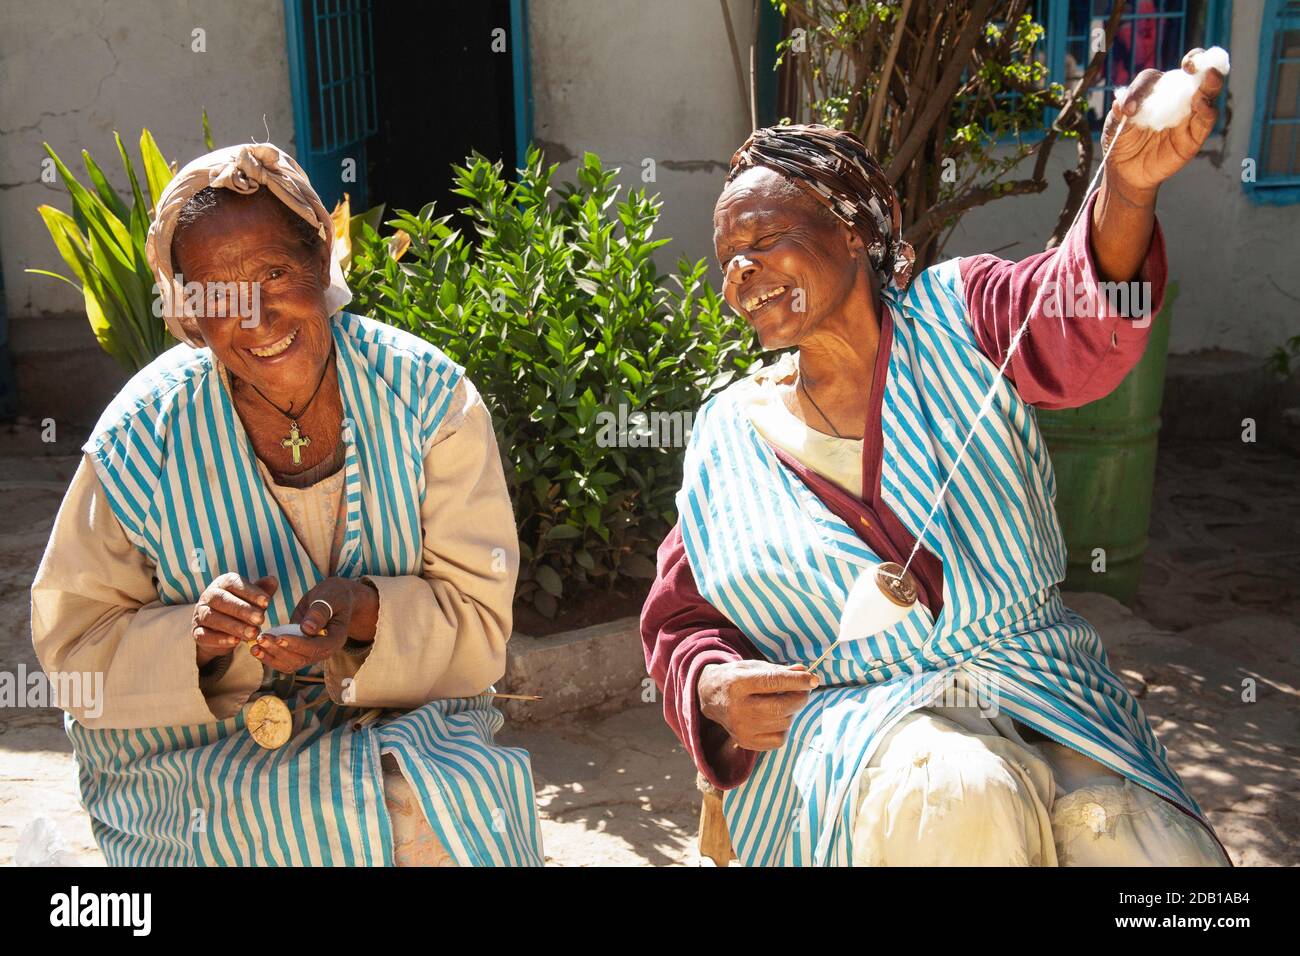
x=740, y=269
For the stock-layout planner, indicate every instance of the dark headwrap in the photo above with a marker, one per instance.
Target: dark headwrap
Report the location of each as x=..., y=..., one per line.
x=835, y=169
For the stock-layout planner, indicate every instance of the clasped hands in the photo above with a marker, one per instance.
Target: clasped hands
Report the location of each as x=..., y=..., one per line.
x=232, y=610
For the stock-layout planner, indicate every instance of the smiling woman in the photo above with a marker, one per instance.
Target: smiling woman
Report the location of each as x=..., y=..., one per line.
x=289, y=464
x=849, y=749
x=279, y=354
x=799, y=240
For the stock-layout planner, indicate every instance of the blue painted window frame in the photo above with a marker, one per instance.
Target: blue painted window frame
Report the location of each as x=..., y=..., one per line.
x=1279, y=16
x=522, y=80
x=320, y=159
x=342, y=91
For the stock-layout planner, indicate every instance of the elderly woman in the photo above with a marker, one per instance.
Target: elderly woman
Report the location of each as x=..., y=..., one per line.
x=289, y=462
x=811, y=471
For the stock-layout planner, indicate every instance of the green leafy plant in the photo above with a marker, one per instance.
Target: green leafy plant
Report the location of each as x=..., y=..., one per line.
x=1282, y=362
x=559, y=315
x=102, y=242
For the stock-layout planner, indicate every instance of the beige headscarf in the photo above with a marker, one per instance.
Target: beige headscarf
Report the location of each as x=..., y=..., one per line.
x=245, y=169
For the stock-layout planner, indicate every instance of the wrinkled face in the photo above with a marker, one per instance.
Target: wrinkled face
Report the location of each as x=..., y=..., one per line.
x=787, y=262
x=247, y=244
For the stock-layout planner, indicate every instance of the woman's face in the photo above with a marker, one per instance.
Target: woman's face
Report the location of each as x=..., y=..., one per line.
x=282, y=344
x=788, y=263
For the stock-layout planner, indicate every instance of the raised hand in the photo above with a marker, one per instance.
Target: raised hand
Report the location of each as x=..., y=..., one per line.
x=1144, y=158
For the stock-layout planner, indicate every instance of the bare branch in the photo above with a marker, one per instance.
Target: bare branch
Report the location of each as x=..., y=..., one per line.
x=927, y=225
x=882, y=90
x=941, y=98
x=1077, y=179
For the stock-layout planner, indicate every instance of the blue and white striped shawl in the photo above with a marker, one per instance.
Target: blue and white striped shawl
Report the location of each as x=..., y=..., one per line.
x=778, y=563
x=179, y=473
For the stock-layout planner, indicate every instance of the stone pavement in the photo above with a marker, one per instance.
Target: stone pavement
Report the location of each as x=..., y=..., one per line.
x=1225, y=535
x=615, y=788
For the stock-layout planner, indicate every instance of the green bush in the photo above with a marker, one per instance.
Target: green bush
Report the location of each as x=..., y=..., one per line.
x=558, y=314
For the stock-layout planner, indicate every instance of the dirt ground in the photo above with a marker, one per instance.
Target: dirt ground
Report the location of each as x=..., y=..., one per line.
x=1217, y=617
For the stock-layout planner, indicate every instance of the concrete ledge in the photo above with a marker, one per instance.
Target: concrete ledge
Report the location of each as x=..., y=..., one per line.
x=573, y=670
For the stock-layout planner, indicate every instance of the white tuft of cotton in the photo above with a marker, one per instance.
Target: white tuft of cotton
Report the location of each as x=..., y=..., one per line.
x=1170, y=101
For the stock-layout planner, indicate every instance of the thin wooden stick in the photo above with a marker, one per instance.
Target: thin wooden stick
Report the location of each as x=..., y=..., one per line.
x=886, y=72
x=813, y=665
x=307, y=705
x=370, y=716
x=735, y=56
x=310, y=679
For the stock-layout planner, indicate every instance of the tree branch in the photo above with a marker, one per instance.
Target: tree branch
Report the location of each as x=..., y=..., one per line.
x=940, y=98
x=1077, y=179
x=882, y=88
x=929, y=224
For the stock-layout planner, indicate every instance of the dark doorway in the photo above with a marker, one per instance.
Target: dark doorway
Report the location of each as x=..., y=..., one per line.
x=441, y=91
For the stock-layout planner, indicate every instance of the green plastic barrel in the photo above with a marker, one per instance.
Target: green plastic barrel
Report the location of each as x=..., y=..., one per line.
x=1104, y=454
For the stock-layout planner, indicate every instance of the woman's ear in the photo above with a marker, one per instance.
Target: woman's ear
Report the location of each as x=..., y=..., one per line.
x=853, y=241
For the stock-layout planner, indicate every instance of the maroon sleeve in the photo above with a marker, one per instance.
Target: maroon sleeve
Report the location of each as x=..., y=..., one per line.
x=1082, y=342
x=681, y=634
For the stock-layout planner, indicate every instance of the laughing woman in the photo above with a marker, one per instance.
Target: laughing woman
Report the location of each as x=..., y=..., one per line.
x=289, y=462
x=802, y=476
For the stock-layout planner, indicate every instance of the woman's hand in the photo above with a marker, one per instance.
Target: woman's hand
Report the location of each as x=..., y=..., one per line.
x=355, y=607
x=1144, y=158
x=228, y=611
x=754, y=701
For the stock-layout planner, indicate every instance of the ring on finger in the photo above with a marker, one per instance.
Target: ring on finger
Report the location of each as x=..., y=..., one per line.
x=328, y=607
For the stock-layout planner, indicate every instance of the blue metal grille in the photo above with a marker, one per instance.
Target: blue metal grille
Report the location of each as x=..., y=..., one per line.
x=1152, y=35
x=341, y=31
x=332, y=78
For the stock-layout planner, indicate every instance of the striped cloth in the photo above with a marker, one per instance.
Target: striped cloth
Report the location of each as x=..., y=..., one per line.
x=179, y=473
x=768, y=554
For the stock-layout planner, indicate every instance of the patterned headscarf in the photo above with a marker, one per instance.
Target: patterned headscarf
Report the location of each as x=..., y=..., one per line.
x=835, y=168
x=244, y=169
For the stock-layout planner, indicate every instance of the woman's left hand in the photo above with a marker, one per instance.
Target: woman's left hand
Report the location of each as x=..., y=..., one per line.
x=355, y=607
x=1144, y=158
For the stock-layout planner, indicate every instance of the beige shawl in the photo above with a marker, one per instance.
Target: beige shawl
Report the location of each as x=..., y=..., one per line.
x=245, y=169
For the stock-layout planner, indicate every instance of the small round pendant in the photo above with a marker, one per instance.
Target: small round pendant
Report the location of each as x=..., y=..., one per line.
x=269, y=721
